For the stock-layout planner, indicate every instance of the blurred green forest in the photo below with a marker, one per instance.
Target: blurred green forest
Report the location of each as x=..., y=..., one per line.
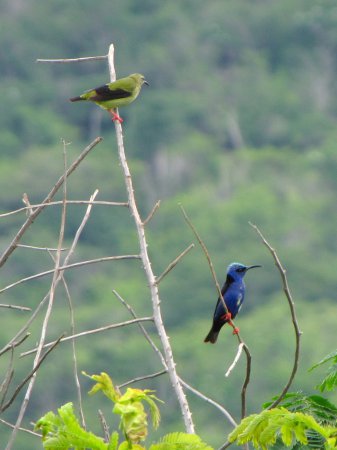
x=238, y=125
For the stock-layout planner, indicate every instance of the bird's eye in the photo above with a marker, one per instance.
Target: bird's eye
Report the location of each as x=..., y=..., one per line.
x=240, y=269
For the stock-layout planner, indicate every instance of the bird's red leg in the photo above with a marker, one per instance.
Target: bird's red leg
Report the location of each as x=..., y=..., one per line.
x=228, y=317
x=115, y=116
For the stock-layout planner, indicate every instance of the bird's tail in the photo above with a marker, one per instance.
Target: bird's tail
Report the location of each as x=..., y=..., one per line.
x=76, y=99
x=212, y=336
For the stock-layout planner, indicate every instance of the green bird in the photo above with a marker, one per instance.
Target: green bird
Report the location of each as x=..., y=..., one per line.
x=112, y=95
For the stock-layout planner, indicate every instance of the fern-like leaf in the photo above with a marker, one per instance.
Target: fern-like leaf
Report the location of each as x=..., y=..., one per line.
x=180, y=441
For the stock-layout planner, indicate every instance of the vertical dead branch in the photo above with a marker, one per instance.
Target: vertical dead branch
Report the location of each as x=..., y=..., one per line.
x=148, y=269
x=292, y=312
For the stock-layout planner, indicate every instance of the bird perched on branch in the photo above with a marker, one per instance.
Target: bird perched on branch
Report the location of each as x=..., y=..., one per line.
x=233, y=293
x=113, y=95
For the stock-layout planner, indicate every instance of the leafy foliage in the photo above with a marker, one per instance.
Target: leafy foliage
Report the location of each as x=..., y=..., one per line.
x=330, y=381
x=263, y=429
x=64, y=432
x=180, y=441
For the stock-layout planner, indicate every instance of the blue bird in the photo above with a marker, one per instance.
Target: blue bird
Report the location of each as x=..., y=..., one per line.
x=233, y=292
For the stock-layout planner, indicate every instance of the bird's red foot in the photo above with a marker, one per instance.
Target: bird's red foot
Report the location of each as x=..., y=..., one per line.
x=115, y=116
x=236, y=330
x=226, y=316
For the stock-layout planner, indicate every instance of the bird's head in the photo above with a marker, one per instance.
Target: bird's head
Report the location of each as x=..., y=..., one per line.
x=238, y=271
x=139, y=78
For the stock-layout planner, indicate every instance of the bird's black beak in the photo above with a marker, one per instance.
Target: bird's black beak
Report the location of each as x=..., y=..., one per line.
x=252, y=267
x=145, y=82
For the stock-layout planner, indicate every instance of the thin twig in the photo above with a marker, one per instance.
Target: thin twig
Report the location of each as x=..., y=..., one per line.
x=236, y=359
x=20, y=308
x=187, y=416
x=72, y=60
x=291, y=304
x=210, y=401
x=70, y=266
x=94, y=331
x=246, y=349
x=13, y=245
x=13, y=343
x=152, y=212
x=8, y=378
x=50, y=304
x=30, y=375
x=174, y=263
x=20, y=428
x=141, y=378
x=25, y=326
x=146, y=334
x=45, y=249
x=59, y=202
x=105, y=426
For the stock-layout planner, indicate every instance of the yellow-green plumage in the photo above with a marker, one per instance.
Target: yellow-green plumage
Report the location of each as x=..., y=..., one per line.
x=113, y=95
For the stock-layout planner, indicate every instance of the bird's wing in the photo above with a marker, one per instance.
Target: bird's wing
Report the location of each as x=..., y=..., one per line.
x=223, y=291
x=106, y=93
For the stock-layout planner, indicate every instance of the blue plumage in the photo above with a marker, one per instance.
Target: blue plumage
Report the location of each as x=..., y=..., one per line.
x=233, y=292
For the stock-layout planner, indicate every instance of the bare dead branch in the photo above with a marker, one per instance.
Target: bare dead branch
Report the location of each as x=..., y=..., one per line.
x=72, y=60
x=72, y=324
x=59, y=202
x=56, y=276
x=144, y=377
x=210, y=401
x=45, y=249
x=174, y=263
x=10, y=425
x=146, y=334
x=236, y=359
x=94, y=331
x=105, y=426
x=21, y=308
x=30, y=375
x=13, y=245
x=70, y=266
x=8, y=378
x=187, y=416
x=291, y=304
x=152, y=213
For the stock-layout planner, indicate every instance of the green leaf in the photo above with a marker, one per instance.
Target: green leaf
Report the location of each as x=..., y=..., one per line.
x=180, y=441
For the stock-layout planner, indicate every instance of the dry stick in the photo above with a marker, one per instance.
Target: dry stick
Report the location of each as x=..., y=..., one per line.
x=292, y=311
x=30, y=375
x=72, y=323
x=14, y=343
x=48, y=311
x=146, y=334
x=212, y=402
x=89, y=332
x=38, y=210
x=69, y=266
x=71, y=60
x=152, y=212
x=174, y=263
x=246, y=349
x=59, y=202
x=21, y=308
x=161, y=357
x=25, y=326
x=8, y=378
x=141, y=378
x=105, y=426
x=20, y=428
x=187, y=416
